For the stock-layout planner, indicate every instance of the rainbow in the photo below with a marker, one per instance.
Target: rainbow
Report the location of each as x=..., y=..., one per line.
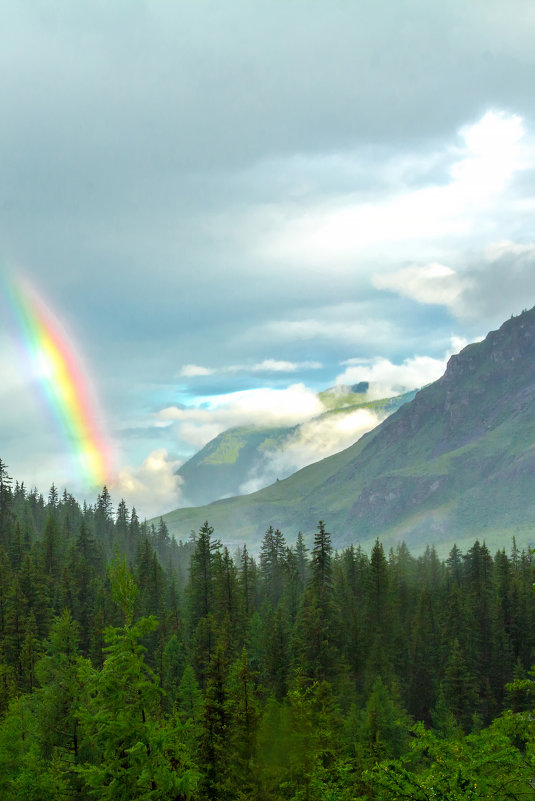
x=65, y=387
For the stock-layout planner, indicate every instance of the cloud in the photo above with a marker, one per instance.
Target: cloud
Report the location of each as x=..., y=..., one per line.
x=275, y=366
x=153, y=487
x=432, y=283
x=387, y=379
x=208, y=416
x=338, y=228
x=498, y=282
x=493, y=155
x=458, y=343
x=265, y=366
x=195, y=370
x=336, y=324
x=314, y=440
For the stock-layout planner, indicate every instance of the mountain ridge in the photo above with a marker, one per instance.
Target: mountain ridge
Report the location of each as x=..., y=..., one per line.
x=456, y=462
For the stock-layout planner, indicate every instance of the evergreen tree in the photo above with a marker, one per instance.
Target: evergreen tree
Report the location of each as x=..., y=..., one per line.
x=316, y=635
x=459, y=688
x=214, y=754
x=384, y=730
x=301, y=551
x=272, y=555
x=134, y=755
x=122, y=525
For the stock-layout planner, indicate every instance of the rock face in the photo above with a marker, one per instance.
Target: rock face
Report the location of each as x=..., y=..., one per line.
x=456, y=462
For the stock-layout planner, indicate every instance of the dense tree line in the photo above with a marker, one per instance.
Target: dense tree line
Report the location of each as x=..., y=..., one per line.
x=136, y=667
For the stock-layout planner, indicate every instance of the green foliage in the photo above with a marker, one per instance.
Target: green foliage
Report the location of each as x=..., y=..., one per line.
x=294, y=679
x=482, y=766
x=132, y=752
x=384, y=725
x=25, y=773
x=124, y=589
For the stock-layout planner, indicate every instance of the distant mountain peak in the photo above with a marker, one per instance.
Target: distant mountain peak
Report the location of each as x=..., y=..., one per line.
x=455, y=463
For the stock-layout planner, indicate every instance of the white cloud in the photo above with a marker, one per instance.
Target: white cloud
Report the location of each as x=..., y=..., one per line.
x=493, y=155
x=198, y=424
x=343, y=331
x=500, y=278
x=387, y=379
x=312, y=441
x=498, y=250
x=275, y=366
x=336, y=230
x=432, y=283
x=152, y=487
x=458, y=343
x=194, y=370
x=265, y=366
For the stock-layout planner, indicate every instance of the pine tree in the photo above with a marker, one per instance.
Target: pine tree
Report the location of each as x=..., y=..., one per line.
x=243, y=707
x=201, y=583
x=316, y=634
x=459, y=688
x=104, y=517
x=122, y=525
x=278, y=656
x=384, y=729
x=378, y=618
x=301, y=551
x=214, y=754
x=53, y=499
x=246, y=583
x=189, y=696
x=425, y=660
x=134, y=755
x=173, y=664
x=50, y=548
x=272, y=555
x=60, y=692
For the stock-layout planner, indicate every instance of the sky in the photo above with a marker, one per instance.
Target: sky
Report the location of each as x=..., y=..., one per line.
x=229, y=206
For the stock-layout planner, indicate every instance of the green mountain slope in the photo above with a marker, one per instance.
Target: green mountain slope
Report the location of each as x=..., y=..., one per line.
x=456, y=462
x=224, y=465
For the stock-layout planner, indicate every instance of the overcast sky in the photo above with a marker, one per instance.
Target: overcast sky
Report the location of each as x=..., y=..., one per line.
x=231, y=205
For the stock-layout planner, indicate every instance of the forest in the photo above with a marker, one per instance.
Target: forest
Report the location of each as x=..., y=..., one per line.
x=133, y=666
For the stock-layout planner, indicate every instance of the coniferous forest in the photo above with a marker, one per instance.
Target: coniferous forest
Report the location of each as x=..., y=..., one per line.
x=136, y=667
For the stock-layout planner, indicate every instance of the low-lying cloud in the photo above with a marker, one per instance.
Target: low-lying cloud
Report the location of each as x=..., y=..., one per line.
x=207, y=417
x=387, y=379
x=153, y=487
x=312, y=441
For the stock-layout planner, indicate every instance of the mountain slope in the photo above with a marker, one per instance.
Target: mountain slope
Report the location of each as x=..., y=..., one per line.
x=239, y=454
x=458, y=461
x=223, y=465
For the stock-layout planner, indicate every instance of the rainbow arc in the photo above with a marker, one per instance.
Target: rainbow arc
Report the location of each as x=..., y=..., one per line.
x=65, y=386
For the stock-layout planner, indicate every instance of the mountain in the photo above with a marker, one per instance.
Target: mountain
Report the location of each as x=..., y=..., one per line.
x=223, y=465
x=457, y=462
x=252, y=454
